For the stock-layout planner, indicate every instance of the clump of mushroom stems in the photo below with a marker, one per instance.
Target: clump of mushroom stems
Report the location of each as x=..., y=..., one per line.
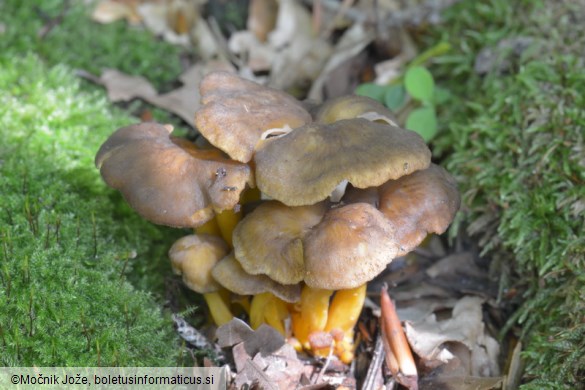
x=316, y=314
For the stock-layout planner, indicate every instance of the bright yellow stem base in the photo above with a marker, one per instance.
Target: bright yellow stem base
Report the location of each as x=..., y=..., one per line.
x=345, y=309
x=269, y=309
x=312, y=316
x=219, y=310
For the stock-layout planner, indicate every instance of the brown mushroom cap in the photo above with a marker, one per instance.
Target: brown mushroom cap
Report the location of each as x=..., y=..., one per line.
x=353, y=106
x=236, y=112
x=349, y=247
x=304, y=166
x=230, y=274
x=194, y=256
x=169, y=182
x=418, y=204
x=269, y=240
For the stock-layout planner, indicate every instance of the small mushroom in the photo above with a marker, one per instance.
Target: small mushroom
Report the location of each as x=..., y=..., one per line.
x=349, y=247
x=230, y=274
x=354, y=106
x=236, y=112
x=304, y=166
x=269, y=240
x=269, y=301
x=169, y=181
x=418, y=204
x=194, y=257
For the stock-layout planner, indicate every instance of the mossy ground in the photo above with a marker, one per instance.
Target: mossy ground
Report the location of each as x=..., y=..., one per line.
x=514, y=138
x=68, y=244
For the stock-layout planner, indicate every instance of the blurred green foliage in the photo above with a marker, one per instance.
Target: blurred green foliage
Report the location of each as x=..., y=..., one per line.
x=78, y=42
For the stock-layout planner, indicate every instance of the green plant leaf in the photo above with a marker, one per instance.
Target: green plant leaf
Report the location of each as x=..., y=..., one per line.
x=395, y=97
x=419, y=83
x=441, y=96
x=424, y=121
x=371, y=90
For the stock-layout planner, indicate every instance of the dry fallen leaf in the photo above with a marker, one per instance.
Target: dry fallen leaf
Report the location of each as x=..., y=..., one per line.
x=123, y=87
x=434, y=340
x=262, y=18
x=353, y=41
x=183, y=101
x=291, y=54
x=108, y=11
x=460, y=383
x=261, y=356
x=177, y=21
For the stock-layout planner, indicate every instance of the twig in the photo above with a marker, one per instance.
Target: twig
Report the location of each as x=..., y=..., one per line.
x=343, y=9
x=222, y=43
x=375, y=365
x=317, y=16
x=327, y=361
x=398, y=355
x=194, y=337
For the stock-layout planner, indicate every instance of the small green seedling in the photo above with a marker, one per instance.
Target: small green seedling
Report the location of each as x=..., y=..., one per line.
x=416, y=86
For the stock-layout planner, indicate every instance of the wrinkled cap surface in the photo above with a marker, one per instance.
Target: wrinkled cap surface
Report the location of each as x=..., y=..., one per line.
x=349, y=247
x=354, y=106
x=230, y=274
x=269, y=240
x=194, y=256
x=304, y=166
x=169, y=182
x=236, y=112
x=418, y=204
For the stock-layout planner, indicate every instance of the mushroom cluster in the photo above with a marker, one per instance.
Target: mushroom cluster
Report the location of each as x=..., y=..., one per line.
x=311, y=203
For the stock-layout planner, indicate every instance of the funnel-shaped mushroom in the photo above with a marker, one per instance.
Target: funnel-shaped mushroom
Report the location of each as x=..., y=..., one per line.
x=236, y=112
x=418, y=204
x=167, y=181
x=304, y=166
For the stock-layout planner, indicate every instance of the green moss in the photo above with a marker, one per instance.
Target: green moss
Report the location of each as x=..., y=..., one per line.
x=67, y=242
x=515, y=142
x=77, y=41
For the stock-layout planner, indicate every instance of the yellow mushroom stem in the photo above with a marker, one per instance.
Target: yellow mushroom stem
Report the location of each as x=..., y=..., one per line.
x=269, y=309
x=344, y=312
x=345, y=309
x=227, y=221
x=209, y=227
x=312, y=314
x=242, y=304
x=220, y=311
